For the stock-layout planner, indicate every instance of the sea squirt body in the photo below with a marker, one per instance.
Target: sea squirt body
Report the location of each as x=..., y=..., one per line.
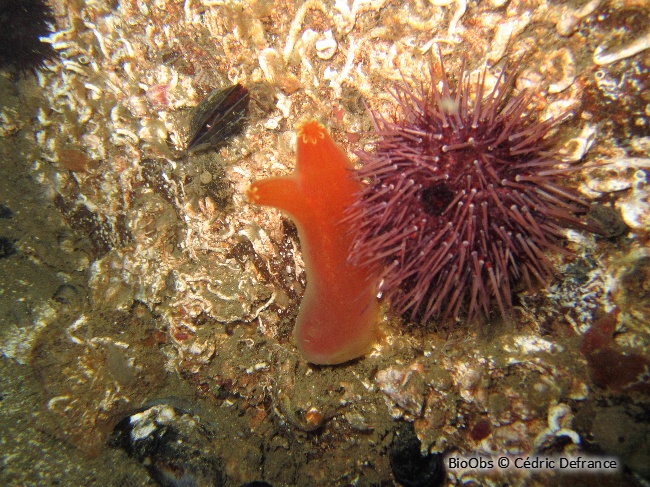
x=339, y=311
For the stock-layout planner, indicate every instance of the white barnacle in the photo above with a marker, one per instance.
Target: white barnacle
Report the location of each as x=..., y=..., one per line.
x=641, y=44
x=507, y=31
x=568, y=70
x=41, y=137
x=349, y=64
x=102, y=43
x=559, y=422
x=61, y=45
x=326, y=46
x=296, y=25
x=576, y=148
x=61, y=35
x=346, y=16
x=122, y=136
x=78, y=323
x=75, y=67
x=95, y=91
x=268, y=303
x=284, y=105
x=42, y=117
x=569, y=18
x=455, y=20
x=84, y=114
x=53, y=403
x=269, y=61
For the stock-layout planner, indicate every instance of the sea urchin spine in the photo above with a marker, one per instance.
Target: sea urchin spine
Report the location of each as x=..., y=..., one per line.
x=461, y=199
x=22, y=24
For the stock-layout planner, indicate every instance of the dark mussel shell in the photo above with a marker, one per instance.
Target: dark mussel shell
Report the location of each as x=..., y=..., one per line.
x=222, y=114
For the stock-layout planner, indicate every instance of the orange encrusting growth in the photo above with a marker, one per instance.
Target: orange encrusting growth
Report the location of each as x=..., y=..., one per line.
x=338, y=316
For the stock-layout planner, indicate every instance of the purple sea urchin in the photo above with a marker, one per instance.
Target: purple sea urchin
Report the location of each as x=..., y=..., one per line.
x=461, y=199
x=22, y=23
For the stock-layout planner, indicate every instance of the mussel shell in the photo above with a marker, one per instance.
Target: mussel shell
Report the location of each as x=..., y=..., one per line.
x=222, y=114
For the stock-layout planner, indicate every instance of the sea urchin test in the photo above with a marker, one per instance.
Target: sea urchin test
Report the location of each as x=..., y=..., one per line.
x=463, y=197
x=339, y=311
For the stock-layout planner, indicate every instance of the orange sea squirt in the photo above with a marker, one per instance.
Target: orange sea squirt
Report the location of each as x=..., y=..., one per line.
x=339, y=312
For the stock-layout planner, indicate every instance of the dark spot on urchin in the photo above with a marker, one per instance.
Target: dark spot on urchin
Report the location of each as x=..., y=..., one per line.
x=435, y=199
x=22, y=23
x=461, y=199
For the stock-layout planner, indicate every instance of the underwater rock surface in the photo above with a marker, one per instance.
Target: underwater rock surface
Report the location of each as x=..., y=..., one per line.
x=142, y=272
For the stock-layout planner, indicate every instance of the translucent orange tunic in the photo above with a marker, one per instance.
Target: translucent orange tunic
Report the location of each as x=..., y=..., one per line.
x=339, y=312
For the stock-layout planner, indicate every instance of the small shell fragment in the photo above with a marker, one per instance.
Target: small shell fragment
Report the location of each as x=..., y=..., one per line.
x=222, y=114
x=326, y=46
